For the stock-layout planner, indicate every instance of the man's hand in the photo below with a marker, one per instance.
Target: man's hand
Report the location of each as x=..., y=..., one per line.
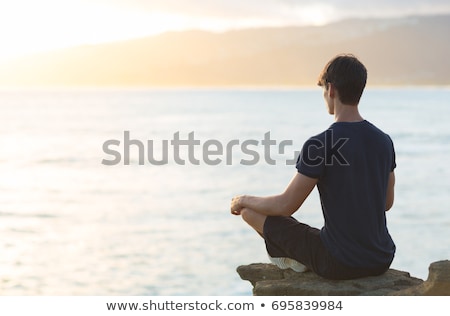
x=236, y=205
x=284, y=204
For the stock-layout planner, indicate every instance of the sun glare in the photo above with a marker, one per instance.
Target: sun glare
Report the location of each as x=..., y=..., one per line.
x=28, y=26
x=315, y=14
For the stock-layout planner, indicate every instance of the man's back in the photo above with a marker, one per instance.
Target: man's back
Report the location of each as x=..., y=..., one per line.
x=355, y=161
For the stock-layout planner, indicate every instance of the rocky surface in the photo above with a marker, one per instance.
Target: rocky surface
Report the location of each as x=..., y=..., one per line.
x=437, y=283
x=269, y=280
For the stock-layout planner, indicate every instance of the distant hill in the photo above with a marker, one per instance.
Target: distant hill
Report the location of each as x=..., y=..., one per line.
x=402, y=51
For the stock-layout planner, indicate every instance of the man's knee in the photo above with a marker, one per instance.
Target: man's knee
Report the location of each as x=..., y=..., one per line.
x=247, y=215
x=254, y=219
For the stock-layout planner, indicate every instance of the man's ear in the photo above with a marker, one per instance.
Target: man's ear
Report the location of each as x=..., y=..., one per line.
x=331, y=90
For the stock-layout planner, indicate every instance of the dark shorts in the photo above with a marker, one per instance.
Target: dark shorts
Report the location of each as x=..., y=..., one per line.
x=286, y=237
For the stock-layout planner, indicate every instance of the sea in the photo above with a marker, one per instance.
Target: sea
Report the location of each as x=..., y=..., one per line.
x=127, y=191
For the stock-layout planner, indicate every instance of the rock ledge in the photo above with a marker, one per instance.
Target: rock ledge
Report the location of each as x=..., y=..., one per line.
x=269, y=280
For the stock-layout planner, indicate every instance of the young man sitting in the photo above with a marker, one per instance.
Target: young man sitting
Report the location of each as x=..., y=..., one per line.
x=352, y=164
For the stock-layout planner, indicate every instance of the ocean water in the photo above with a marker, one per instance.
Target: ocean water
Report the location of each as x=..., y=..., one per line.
x=70, y=224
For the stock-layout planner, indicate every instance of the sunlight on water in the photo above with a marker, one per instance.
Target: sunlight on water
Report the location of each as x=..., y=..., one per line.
x=73, y=226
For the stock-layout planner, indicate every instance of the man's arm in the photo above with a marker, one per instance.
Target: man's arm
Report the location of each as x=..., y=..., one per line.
x=390, y=191
x=284, y=204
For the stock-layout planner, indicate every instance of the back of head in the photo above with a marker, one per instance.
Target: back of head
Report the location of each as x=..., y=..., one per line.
x=348, y=75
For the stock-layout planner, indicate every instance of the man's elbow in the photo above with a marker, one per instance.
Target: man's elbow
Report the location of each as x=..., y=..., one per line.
x=389, y=204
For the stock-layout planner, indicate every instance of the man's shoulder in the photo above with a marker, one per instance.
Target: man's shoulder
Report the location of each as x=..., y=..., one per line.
x=337, y=129
x=361, y=127
x=377, y=131
x=320, y=135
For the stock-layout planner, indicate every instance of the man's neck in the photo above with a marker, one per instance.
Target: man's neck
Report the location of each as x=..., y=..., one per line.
x=347, y=113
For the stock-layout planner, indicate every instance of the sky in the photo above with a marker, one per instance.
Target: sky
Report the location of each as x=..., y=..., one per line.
x=30, y=26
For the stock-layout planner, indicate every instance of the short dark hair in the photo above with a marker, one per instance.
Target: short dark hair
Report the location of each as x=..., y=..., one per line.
x=348, y=75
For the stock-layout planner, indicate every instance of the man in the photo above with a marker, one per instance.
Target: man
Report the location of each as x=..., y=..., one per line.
x=352, y=164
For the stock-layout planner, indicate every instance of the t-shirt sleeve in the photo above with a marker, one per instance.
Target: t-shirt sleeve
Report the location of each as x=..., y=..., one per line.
x=311, y=161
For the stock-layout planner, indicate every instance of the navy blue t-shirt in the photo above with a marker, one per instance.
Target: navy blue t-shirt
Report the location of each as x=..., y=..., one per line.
x=352, y=162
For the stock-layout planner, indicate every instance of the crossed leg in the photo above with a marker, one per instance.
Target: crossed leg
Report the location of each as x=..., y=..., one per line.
x=255, y=220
